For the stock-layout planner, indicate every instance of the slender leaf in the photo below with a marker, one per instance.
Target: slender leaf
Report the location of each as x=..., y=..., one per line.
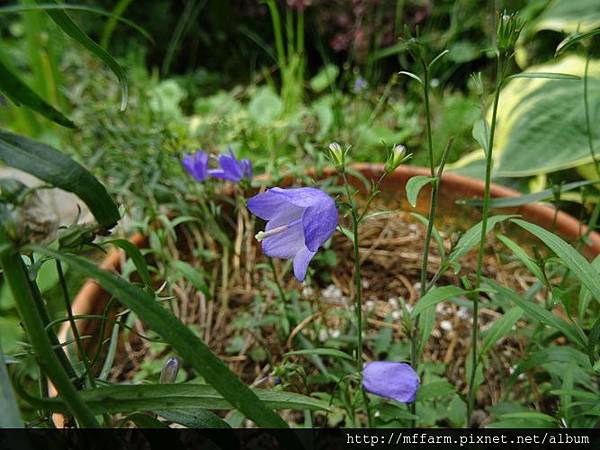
x=436, y=234
x=500, y=328
x=545, y=75
x=528, y=415
x=570, y=257
x=435, y=296
x=193, y=275
x=196, y=418
x=414, y=186
x=434, y=389
x=322, y=352
x=547, y=194
x=411, y=75
x=174, y=397
x=540, y=314
x=523, y=257
x=59, y=170
x=574, y=38
x=181, y=338
x=63, y=20
x=136, y=256
x=21, y=94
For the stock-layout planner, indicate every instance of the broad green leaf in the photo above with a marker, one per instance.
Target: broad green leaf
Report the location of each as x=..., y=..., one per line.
x=570, y=257
x=175, y=397
x=569, y=16
x=435, y=296
x=426, y=324
x=193, y=350
x=434, y=389
x=541, y=123
x=10, y=417
x=21, y=94
x=62, y=19
x=322, y=352
x=540, y=314
x=501, y=328
x=414, y=186
x=523, y=257
x=325, y=78
x=194, y=418
x=136, y=256
x=59, y=170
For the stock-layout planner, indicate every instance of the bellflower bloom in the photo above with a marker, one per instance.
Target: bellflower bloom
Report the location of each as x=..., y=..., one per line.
x=394, y=380
x=196, y=165
x=232, y=169
x=299, y=221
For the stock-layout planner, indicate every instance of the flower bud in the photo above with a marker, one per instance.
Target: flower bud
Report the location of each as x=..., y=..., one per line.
x=395, y=157
x=168, y=374
x=337, y=154
x=509, y=28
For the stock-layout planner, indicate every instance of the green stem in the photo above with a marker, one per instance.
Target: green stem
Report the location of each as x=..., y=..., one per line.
x=484, y=223
x=282, y=298
x=428, y=117
x=357, y=290
x=15, y=275
x=276, y=21
x=73, y=325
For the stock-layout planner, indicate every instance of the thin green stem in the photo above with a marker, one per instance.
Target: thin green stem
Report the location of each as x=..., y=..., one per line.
x=276, y=21
x=484, y=223
x=15, y=275
x=74, y=329
x=282, y=297
x=428, y=117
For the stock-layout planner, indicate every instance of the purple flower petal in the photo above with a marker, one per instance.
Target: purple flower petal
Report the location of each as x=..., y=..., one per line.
x=301, y=261
x=394, y=380
x=196, y=165
x=231, y=169
x=300, y=220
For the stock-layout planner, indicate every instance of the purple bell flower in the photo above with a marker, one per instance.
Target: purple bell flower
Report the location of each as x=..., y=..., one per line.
x=299, y=221
x=232, y=169
x=196, y=165
x=394, y=380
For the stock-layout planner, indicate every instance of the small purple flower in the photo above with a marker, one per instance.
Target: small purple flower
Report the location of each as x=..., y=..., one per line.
x=232, y=169
x=394, y=380
x=196, y=165
x=299, y=221
x=360, y=84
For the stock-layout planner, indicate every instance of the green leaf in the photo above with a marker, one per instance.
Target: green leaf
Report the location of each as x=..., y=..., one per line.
x=411, y=75
x=472, y=237
x=435, y=296
x=70, y=28
x=136, y=256
x=59, y=170
x=325, y=78
x=570, y=257
x=540, y=314
x=414, y=186
x=569, y=16
x=434, y=389
x=322, y=352
x=193, y=350
x=187, y=397
x=144, y=421
x=574, y=38
x=195, y=418
x=481, y=133
x=501, y=328
x=534, y=197
x=523, y=257
x=544, y=75
x=193, y=275
x=436, y=234
x=21, y=94
x=528, y=415
x=10, y=417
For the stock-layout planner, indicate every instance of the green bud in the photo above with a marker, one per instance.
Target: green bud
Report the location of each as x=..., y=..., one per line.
x=509, y=29
x=168, y=374
x=395, y=157
x=337, y=155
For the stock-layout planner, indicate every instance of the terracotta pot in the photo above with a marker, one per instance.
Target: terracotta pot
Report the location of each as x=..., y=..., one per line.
x=92, y=299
